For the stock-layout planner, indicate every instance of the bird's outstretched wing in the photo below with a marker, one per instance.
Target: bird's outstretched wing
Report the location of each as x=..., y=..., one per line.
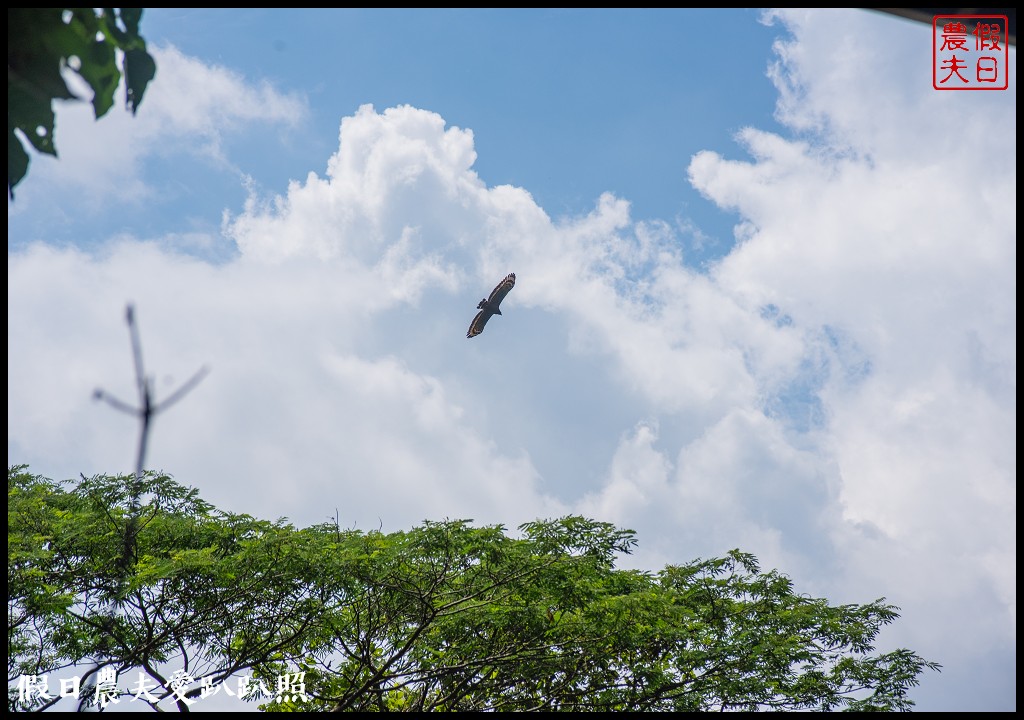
x=498, y=293
x=491, y=305
x=477, y=326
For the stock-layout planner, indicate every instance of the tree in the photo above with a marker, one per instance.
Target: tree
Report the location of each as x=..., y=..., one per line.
x=445, y=616
x=213, y=592
x=41, y=43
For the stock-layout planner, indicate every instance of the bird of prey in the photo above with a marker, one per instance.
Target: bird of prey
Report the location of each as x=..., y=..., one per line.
x=490, y=306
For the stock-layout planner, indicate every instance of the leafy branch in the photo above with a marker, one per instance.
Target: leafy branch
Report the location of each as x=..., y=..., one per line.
x=42, y=43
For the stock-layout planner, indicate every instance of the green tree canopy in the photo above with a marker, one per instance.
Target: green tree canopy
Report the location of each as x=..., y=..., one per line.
x=445, y=616
x=41, y=43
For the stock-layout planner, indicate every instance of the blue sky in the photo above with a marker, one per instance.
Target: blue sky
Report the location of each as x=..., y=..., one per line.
x=766, y=291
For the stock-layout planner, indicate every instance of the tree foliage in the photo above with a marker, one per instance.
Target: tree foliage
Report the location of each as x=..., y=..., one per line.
x=445, y=616
x=41, y=43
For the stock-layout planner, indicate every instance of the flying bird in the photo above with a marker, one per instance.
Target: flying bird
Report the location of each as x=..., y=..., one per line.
x=490, y=306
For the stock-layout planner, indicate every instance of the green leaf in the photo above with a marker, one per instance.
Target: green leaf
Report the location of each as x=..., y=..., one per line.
x=139, y=70
x=17, y=161
x=45, y=42
x=131, y=18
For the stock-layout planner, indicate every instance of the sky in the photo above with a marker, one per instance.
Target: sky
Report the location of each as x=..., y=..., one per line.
x=765, y=295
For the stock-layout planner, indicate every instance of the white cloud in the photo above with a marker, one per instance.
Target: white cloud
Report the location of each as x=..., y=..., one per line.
x=638, y=479
x=189, y=107
x=890, y=226
x=288, y=412
x=917, y=288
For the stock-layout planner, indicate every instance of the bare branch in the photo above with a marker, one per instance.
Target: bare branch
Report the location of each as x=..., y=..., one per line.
x=184, y=389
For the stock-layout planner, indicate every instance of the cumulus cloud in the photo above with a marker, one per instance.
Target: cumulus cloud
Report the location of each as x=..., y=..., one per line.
x=888, y=224
x=289, y=413
x=189, y=107
x=912, y=289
